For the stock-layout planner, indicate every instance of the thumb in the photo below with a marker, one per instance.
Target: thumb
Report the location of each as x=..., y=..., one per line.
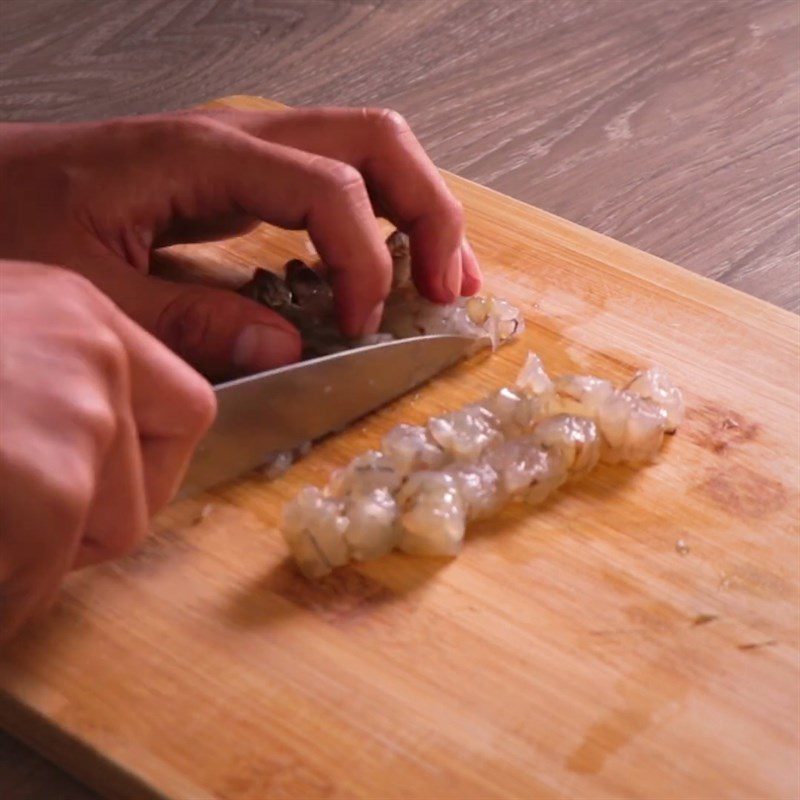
x=220, y=333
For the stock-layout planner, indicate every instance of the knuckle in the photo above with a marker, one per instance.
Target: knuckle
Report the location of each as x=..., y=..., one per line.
x=388, y=122
x=102, y=422
x=344, y=185
x=166, y=132
x=70, y=496
x=202, y=134
x=454, y=209
x=144, y=136
x=96, y=418
x=191, y=127
x=107, y=353
x=341, y=177
x=96, y=390
x=452, y=213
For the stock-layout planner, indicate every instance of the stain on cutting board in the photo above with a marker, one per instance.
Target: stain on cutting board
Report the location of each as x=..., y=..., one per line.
x=717, y=429
x=645, y=696
x=339, y=598
x=743, y=492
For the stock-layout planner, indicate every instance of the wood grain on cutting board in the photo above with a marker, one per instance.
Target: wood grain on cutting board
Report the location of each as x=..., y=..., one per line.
x=577, y=650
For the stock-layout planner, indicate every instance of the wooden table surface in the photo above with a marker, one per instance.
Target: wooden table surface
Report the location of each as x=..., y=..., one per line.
x=672, y=126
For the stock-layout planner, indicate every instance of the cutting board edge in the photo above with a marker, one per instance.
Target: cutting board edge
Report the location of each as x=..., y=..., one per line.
x=73, y=752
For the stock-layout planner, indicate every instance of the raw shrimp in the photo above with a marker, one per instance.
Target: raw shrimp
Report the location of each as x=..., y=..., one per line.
x=521, y=442
x=305, y=298
x=632, y=421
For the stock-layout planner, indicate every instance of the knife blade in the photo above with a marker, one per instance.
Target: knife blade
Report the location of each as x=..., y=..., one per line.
x=280, y=409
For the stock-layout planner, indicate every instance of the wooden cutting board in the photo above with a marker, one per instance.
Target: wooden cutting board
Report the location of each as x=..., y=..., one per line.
x=635, y=637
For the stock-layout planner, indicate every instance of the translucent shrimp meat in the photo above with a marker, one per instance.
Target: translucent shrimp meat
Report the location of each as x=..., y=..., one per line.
x=523, y=442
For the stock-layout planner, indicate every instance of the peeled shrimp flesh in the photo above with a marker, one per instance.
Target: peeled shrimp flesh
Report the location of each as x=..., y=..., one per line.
x=418, y=492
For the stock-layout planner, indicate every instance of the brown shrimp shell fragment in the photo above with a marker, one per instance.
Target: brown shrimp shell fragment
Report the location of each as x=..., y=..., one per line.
x=267, y=288
x=310, y=291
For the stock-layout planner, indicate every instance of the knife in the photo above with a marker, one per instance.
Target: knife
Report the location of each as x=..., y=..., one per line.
x=281, y=409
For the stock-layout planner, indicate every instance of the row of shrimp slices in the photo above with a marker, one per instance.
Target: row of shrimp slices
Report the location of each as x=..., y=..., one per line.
x=522, y=442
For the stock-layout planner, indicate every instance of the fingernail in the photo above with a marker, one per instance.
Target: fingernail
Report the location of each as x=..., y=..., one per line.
x=452, y=277
x=373, y=320
x=260, y=347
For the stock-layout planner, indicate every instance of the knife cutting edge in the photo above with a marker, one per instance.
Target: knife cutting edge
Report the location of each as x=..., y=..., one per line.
x=281, y=409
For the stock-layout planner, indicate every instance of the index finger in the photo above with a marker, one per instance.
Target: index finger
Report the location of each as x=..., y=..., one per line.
x=199, y=169
x=400, y=177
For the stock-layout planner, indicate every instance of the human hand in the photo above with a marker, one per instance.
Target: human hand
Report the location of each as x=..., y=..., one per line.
x=98, y=197
x=88, y=449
